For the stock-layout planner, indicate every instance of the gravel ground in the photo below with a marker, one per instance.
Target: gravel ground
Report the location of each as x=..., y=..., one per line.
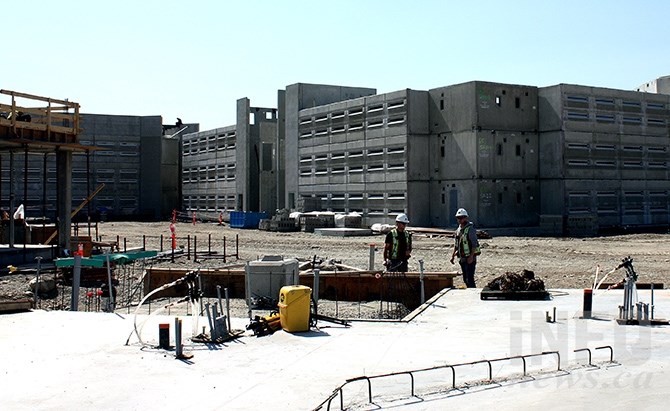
x=560, y=262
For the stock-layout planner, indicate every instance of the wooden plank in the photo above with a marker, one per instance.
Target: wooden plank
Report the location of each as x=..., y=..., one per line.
x=15, y=305
x=34, y=97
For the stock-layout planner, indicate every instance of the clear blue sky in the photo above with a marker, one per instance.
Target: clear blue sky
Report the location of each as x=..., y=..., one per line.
x=194, y=59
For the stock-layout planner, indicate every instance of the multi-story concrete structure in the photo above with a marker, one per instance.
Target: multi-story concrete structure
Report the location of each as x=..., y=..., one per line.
x=484, y=153
x=563, y=158
x=604, y=156
x=234, y=167
x=136, y=161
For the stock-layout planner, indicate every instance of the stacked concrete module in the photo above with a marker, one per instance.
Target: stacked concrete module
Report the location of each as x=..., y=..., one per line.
x=234, y=167
x=137, y=162
x=484, y=154
x=209, y=170
x=660, y=85
x=295, y=98
x=368, y=155
x=604, y=157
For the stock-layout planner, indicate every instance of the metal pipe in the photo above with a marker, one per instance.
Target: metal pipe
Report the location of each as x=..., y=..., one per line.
x=177, y=337
x=76, y=276
x=225, y=291
x=587, y=350
x=200, y=291
x=611, y=351
x=209, y=319
x=423, y=289
x=652, y=300
x=371, y=266
x=316, y=286
x=110, y=303
x=37, y=284
x=224, y=248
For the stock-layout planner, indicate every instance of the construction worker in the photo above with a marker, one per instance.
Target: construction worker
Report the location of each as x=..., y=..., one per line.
x=466, y=247
x=398, y=246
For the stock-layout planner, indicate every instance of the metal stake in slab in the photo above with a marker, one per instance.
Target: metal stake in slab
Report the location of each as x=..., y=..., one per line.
x=37, y=285
x=423, y=290
x=76, y=276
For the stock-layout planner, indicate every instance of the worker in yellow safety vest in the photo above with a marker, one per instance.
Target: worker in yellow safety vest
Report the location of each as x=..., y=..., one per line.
x=466, y=247
x=398, y=246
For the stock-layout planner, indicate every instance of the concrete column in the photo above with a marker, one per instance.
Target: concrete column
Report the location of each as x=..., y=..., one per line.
x=64, y=173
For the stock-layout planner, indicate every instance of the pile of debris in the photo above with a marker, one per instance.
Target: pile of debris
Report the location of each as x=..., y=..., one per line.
x=514, y=282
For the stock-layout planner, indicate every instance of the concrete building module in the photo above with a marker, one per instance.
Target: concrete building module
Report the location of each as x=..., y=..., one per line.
x=234, y=167
x=484, y=154
x=367, y=155
x=604, y=157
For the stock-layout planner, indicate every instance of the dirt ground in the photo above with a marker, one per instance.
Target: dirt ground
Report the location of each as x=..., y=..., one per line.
x=559, y=262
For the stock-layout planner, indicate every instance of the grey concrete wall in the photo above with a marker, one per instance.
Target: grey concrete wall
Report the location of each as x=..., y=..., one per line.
x=209, y=170
x=478, y=105
x=247, y=161
x=301, y=96
x=154, y=174
x=281, y=151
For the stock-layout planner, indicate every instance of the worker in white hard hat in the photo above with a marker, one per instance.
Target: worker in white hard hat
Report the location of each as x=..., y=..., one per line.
x=466, y=247
x=398, y=246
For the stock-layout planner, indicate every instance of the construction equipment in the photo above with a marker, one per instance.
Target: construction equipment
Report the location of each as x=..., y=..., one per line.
x=78, y=209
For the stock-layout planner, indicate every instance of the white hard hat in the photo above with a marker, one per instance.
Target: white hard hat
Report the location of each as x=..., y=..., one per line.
x=461, y=212
x=402, y=218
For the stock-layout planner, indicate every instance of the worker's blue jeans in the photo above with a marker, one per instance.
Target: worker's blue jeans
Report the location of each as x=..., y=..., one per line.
x=468, y=272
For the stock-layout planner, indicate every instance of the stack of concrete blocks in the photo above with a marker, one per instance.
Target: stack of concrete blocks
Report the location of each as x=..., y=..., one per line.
x=308, y=222
x=484, y=154
x=209, y=170
x=367, y=155
x=604, y=157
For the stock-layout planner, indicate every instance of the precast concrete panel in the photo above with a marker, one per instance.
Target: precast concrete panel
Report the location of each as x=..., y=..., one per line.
x=419, y=203
x=506, y=154
x=480, y=105
x=458, y=160
x=417, y=112
x=417, y=158
x=552, y=196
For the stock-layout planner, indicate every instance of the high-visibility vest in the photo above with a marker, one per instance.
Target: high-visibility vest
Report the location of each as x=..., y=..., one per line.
x=465, y=244
x=408, y=243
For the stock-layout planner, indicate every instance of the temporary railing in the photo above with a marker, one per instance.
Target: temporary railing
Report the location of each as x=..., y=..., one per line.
x=339, y=391
x=55, y=117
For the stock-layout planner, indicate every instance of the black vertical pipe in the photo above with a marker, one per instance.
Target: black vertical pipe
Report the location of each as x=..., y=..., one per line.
x=224, y=248
x=161, y=243
x=88, y=190
x=209, y=244
x=588, y=302
x=144, y=242
x=0, y=182
x=237, y=246
x=195, y=247
x=125, y=248
x=25, y=200
x=44, y=193
x=188, y=247
x=58, y=196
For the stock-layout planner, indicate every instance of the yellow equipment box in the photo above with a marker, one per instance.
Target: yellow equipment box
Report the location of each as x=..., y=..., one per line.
x=294, y=307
